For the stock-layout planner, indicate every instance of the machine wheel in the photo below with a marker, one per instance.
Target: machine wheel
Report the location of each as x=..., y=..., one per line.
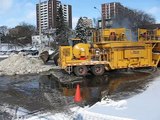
x=98, y=69
x=80, y=70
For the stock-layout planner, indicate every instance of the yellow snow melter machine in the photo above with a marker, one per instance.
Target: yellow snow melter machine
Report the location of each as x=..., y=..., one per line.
x=111, y=49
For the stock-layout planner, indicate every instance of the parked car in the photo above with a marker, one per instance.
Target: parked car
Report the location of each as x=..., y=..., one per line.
x=30, y=52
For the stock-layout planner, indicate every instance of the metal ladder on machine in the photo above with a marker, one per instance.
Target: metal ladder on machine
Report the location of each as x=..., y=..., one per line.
x=69, y=69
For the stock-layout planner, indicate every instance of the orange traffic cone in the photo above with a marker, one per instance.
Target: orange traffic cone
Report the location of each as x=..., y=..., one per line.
x=77, y=97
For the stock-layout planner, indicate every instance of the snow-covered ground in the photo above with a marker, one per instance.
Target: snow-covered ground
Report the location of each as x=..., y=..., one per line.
x=7, y=49
x=4, y=56
x=10, y=47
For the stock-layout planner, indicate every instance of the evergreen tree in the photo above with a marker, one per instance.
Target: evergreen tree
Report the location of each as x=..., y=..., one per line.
x=81, y=30
x=62, y=29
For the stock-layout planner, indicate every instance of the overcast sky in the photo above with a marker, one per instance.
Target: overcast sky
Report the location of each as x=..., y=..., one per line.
x=13, y=12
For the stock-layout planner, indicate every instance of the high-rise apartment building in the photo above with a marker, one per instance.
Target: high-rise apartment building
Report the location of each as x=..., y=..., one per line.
x=67, y=12
x=113, y=10
x=47, y=14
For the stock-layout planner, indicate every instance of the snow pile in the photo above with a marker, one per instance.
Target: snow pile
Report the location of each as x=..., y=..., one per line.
x=21, y=64
x=78, y=113
x=122, y=104
x=85, y=114
x=14, y=112
x=74, y=113
x=48, y=116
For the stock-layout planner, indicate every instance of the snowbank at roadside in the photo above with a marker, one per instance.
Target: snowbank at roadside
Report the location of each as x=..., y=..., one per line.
x=75, y=113
x=13, y=112
x=119, y=105
x=79, y=113
x=85, y=114
x=21, y=64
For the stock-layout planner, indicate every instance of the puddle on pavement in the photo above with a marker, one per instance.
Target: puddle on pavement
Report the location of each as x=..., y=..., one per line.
x=45, y=92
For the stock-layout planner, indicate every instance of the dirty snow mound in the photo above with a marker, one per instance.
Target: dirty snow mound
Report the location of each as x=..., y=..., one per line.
x=21, y=64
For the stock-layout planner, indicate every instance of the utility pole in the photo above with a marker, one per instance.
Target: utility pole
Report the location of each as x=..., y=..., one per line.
x=102, y=22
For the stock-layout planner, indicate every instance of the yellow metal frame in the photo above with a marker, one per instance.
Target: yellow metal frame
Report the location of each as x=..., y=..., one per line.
x=108, y=35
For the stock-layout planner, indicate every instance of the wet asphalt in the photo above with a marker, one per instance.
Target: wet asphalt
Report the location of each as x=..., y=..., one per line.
x=46, y=93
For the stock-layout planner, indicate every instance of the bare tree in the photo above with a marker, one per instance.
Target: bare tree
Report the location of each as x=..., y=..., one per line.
x=22, y=33
x=133, y=19
x=141, y=19
x=3, y=32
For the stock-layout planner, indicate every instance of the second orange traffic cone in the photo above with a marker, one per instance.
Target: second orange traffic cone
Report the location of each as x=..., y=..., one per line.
x=77, y=97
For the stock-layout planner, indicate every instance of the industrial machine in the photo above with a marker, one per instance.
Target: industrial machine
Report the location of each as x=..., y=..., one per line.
x=110, y=49
x=150, y=36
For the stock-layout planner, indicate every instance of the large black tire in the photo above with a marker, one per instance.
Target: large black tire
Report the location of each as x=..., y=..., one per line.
x=80, y=70
x=97, y=70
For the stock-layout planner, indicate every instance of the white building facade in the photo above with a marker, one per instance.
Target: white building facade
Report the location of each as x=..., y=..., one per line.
x=42, y=40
